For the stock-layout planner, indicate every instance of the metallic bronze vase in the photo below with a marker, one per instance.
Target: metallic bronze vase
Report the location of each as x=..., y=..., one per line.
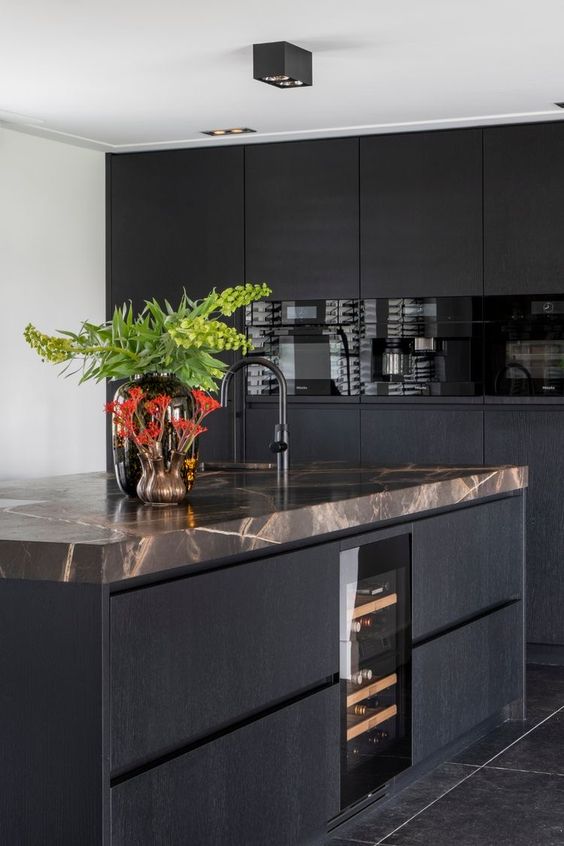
x=127, y=461
x=159, y=484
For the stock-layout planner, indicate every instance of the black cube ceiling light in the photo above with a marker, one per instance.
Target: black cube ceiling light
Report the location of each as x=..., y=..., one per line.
x=282, y=64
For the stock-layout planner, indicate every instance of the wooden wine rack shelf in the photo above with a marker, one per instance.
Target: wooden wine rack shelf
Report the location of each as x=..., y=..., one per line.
x=372, y=721
x=374, y=605
x=371, y=689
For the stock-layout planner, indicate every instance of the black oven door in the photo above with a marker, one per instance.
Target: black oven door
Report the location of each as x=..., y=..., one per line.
x=525, y=346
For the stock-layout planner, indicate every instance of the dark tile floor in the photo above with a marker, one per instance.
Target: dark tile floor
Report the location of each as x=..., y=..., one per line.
x=505, y=790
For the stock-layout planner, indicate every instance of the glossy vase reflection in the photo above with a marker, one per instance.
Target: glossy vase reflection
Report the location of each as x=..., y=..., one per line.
x=159, y=484
x=127, y=462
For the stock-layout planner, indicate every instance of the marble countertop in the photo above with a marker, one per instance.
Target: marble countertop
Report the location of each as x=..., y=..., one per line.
x=82, y=529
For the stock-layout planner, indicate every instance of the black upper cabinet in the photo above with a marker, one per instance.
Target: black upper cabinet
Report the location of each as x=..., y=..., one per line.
x=302, y=218
x=176, y=220
x=421, y=214
x=524, y=209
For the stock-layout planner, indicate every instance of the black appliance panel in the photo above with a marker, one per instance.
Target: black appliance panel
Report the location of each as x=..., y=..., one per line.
x=524, y=346
x=421, y=347
x=314, y=342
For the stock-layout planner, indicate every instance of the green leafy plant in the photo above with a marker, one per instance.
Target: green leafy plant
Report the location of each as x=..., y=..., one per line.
x=183, y=340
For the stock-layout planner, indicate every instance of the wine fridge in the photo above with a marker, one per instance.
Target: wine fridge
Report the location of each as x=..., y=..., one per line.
x=375, y=671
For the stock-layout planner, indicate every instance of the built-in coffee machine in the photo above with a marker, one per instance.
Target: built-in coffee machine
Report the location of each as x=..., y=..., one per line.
x=524, y=346
x=421, y=347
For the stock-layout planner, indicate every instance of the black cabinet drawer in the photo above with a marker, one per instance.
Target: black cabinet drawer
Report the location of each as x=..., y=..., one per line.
x=274, y=781
x=192, y=656
x=454, y=580
x=464, y=677
x=317, y=433
x=421, y=435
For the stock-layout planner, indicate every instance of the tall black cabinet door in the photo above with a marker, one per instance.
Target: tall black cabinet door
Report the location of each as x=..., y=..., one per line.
x=421, y=436
x=536, y=438
x=524, y=209
x=421, y=214
x=302, y=218
x=176, y=220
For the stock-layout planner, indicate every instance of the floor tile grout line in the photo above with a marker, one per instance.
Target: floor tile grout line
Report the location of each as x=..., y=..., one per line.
x=458, y=783
x=520, y=770
x=533, y=727
x=470, y=775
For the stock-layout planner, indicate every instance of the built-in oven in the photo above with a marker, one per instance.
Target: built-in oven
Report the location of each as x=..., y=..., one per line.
x=314, y=342
x=421, y=346
x=524, y=346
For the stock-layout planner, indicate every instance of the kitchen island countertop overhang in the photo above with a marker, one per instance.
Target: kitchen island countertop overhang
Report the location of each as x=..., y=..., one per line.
x=82, y=529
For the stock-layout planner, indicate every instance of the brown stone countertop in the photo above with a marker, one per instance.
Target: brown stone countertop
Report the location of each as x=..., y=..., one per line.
x=82, y=529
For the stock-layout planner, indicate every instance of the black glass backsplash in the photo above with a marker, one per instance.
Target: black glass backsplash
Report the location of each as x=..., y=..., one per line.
x=380, y=347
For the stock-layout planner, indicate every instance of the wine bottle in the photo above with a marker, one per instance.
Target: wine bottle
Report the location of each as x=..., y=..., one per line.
x=368, y=623
x=378, y=736
x=361, y=676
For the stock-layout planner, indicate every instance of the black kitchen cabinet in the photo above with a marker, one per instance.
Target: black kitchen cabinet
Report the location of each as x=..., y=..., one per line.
x=208, y=667
x=424, y=435
x=524, y=209
x=463, y=678
x=485, y=571
x=536, y=438
x=274, y=781
x=421, y=214
x=316, y=433
x=175, y=220
x=302, y=218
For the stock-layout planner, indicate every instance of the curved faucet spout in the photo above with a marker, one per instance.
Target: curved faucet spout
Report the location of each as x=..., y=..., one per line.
x=281, y=444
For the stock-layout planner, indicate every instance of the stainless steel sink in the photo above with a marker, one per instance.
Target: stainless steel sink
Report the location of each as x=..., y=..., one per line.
x=236, y=465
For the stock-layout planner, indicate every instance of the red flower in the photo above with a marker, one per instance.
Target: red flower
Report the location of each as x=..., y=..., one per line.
x=182, y=425
x=205, y=402
x=157, y=406
x=153, y=430
x=128, y=406
x=136, y=394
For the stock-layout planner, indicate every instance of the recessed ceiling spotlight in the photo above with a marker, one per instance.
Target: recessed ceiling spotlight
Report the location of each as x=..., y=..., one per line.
x=237, y=130
x=282, y=64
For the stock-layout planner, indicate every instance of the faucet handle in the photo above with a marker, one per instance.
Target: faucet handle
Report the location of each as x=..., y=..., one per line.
x=278, y=446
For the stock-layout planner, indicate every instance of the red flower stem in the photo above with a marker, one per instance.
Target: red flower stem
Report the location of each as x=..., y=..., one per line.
x=161, y=433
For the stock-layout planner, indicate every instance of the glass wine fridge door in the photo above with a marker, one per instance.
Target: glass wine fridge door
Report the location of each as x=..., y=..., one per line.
x=375, y=634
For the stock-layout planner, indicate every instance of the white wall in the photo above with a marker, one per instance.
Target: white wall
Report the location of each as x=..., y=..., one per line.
x=51, y=274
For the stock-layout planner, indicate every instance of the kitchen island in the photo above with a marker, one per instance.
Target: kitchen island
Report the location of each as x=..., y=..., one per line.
x=198, y=675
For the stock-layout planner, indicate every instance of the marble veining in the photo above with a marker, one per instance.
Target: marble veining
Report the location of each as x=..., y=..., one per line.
x=81, y=529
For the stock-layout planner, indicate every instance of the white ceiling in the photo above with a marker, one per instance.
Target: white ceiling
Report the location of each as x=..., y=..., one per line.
x=133, y=74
